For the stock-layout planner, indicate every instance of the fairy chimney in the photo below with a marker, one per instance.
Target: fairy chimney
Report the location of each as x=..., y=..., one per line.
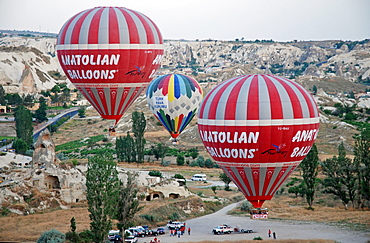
x=44, y=154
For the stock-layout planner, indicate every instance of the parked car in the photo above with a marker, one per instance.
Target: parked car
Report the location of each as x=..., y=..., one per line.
x=222, y=229
x=137, y=231
x=130, y=239
x=160, y=231
x=175, y=224
x=112, y=234
x=149, y=232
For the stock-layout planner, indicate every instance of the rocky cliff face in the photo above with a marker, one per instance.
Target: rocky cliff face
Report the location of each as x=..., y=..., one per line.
x=29, y=65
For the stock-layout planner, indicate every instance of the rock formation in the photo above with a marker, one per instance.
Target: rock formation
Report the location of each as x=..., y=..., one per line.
x=44, y=154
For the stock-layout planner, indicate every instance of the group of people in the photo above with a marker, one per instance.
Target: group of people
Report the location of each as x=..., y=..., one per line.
x=179, y=231
x=269, y=234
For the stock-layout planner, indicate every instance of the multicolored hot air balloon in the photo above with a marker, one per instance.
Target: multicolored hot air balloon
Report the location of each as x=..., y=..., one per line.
x=110, y=54
x=174, y=100
x=258, y=128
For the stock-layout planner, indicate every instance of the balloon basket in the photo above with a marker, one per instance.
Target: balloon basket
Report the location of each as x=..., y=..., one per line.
x=112, y=132
x=258, y=213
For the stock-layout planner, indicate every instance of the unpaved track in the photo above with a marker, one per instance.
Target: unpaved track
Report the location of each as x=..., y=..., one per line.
x=202, y=227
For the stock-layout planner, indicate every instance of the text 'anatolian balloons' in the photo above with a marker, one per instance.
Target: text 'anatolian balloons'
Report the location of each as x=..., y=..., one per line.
x=174, y=99
x=258, y=128
x=110, y=54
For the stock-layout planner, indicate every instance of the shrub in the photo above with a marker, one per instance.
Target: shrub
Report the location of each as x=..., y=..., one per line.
x=174, y=216
x=5, y=211
x=180, y=160
x=72, y=237
x=85, y=236
x=257, y=238
x=52, y=236
x=155, y=173
x=245, y=206
x=165, y=163
x=148, y=217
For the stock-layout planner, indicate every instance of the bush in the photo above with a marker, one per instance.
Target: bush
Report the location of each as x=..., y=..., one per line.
x=52, y=236
x=174, y=216
x=165, y=163
x=148, y=217
x=72, y=237
x=86, y=236
x=245, y=206
x=180, y=160
x=155, y=173
x=179, y=176
x=5, y=211
x=257, y=238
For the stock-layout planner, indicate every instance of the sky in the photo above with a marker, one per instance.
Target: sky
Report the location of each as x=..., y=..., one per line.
x=279, y=20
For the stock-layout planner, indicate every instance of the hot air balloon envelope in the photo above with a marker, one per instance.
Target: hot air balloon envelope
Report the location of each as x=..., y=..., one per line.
x=258, y=128
x=174, y=99
x=110, y=54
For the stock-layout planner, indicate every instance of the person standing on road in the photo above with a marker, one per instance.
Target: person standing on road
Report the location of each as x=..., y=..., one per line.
x=269, y=233
x=274, y=235
x=179, y=233
x=189, y=231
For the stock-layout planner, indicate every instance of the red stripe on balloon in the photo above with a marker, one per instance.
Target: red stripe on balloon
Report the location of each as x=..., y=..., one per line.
x=307, y=98
x=148, y=29
x=296, y=104
x=77, y=28
x=232, y=101
x=113, y=27
x=132, y=28
x=62, y=34
x=276, y=107
x=253, y=100
x=94, y=27
x=216, y=99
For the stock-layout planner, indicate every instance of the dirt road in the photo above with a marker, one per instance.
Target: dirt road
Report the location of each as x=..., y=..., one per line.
x=202, y=227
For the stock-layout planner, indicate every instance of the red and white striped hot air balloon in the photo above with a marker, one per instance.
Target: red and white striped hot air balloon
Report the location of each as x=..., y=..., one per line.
x=258, y=128
x=110, y=54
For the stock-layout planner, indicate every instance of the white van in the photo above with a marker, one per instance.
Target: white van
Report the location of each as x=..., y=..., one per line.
x=199, y=177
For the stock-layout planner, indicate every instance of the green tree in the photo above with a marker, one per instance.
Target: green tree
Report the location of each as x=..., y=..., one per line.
x=73, y=224
x=40, y=114
x=125, y=148
x=28, y=99
x=159, y=151
x=2, y=96
x=155, y=173
x=214, y=188
x=341, y=177
x=179, y=176
x=13, y=99
x=362, y=161
x=224, y=178
x=102, y=194
x=309, y=167
x=55, y=89
x=296, y=189
x=180, y=160
x=138, y=128
x=81, y=112
x=20, y=146
x=52, y=236
x=55, y=98
x=128, y=204
x=314, y=89
x=208, y=163
x=193, y=152
x=23, y=124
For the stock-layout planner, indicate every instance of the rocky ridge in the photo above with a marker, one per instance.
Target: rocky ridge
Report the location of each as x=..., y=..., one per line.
x=29, y=64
